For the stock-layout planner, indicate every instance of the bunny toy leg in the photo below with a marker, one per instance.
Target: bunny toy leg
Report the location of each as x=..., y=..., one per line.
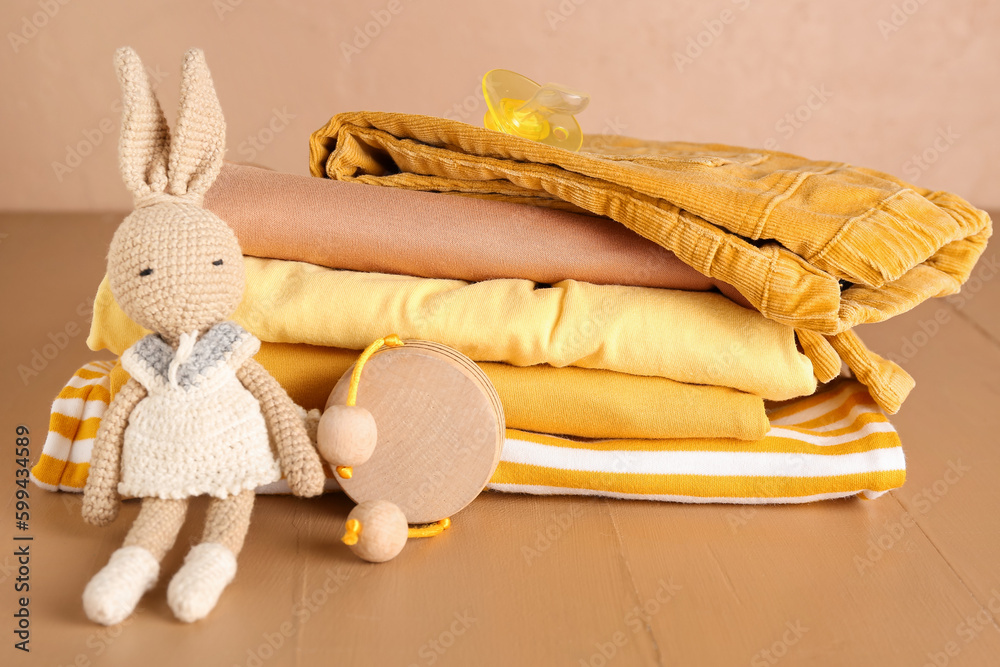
x=113, y=593
x=211, y=565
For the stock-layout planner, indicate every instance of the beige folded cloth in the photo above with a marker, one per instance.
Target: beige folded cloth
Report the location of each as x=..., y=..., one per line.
x=431, y=235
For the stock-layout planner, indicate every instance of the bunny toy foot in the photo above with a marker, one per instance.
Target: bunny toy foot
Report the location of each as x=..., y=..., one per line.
x=113, y=593
x=195, y=589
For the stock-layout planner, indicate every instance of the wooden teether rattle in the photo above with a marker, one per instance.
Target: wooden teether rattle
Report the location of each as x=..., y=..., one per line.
x=413, y=444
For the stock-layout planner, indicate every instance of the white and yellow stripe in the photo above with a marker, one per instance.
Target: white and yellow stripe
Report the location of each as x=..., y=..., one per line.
x=833, y=444
x=76, y=413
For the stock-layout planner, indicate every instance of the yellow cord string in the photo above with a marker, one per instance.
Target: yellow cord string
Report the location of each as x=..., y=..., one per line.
x=352, y=531
x=392, y=340
x=430, y=529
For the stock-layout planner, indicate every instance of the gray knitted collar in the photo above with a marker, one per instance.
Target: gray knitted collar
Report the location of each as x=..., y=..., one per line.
x=211, y=350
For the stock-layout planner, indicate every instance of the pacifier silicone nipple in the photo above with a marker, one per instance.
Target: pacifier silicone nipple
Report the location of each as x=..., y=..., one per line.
x=519, y=106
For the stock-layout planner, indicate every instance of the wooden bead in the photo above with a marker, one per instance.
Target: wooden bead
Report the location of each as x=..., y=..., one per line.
x=346, y=435
x=382, y=532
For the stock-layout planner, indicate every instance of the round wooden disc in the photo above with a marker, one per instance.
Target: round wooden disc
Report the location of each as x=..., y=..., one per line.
x=440, y=430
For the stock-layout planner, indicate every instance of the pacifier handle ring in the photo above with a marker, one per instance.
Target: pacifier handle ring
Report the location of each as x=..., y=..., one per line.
x=429, y=529
x=392, y=340
x=353, y=528
x=554, y=97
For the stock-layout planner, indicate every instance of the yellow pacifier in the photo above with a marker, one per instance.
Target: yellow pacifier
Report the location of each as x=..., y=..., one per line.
x=519, y=106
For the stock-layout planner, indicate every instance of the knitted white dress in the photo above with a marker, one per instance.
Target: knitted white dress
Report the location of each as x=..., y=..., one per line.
x=201, y=434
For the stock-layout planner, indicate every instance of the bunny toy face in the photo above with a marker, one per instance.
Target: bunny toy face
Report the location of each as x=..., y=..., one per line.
x=173, y=266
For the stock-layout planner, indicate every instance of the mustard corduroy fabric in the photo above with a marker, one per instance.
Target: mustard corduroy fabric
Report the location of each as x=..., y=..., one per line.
x=691, y=337
x=782, y=229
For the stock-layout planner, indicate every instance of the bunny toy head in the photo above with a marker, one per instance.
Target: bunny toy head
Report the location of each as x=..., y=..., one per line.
x=174, y=267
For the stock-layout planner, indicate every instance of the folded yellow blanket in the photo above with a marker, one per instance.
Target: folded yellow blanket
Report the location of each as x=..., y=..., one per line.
x=782, y=229
x=691, y=337
x=835, y=444
x=572, y=401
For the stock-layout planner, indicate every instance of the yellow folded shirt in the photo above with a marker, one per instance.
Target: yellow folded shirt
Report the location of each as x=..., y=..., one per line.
x=691, y=337
x=572, y=401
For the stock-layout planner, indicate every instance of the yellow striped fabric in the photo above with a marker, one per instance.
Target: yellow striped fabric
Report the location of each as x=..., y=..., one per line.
x=833, y=444
x=73, y=421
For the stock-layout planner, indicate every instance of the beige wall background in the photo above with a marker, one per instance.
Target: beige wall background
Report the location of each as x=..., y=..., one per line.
x=905, y=86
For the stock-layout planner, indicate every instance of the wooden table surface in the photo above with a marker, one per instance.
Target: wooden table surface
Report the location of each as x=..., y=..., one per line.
x=909, y=579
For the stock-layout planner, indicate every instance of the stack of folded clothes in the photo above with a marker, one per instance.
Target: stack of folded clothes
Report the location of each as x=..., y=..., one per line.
x=568, y=278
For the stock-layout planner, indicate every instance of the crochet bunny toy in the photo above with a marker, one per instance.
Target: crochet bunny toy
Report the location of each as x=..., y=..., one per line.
x=194, y=417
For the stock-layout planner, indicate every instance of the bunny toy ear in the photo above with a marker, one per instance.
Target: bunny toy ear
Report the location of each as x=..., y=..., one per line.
x=145, y=137
x=199, y=141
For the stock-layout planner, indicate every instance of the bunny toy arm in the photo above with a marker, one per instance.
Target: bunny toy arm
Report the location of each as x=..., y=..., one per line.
x=298, y=457
x=100, y=495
